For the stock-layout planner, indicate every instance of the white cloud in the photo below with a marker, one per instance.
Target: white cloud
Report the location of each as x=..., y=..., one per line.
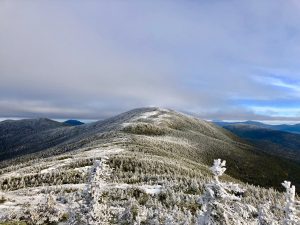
x=293, y=86
x=276, y=111
x=98, y=58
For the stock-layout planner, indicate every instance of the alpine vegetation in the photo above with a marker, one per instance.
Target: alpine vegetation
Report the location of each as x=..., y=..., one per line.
x=148, y=166
x=86, y=207
x=66, y=60
x=221, y=204
x=290, y=210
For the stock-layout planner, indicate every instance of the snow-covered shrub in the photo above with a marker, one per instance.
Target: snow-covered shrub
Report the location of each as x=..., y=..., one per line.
x=89, y=207
x=144, y=128
x=100, y=213
x=266, y=216
x=2, y=198
x=290, y=210
x=220, y=203
x=45, y=212
x=130, y=213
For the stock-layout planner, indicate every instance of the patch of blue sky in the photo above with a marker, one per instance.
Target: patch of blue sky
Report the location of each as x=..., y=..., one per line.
x=278, y=103
x=274, y=107
x=279, y=81
x=276, y=111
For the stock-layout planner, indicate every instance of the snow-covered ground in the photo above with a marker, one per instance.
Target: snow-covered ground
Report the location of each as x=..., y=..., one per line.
x=16, y=202
x=145, y=186
x=156, y=117
x=149, y=189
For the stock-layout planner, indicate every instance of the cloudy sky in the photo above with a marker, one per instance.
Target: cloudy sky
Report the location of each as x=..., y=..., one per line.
x=219, y=59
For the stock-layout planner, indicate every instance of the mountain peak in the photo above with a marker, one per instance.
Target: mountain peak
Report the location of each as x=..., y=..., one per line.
x=141, y=153
x=73, y=122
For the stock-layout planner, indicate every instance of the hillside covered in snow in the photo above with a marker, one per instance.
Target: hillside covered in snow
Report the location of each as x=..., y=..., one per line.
x=145, y=166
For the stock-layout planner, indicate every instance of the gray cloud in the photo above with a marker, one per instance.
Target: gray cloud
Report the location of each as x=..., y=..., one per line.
x=94, y=59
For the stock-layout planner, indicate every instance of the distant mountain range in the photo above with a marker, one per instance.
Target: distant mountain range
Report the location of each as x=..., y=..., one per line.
x=283, y=127
x=273, y=139
x=44, y=137
x=19, y=137
x=73, y=122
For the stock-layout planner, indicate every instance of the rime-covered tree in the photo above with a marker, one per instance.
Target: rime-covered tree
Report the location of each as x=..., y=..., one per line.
x=45, y=212
x=290, y=210
x=220, y=204
x=89, y=207
x=265, y=215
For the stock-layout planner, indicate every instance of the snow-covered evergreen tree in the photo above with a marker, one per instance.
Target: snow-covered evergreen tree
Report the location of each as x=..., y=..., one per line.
x=266, y=216
x=99, y=213
x=89, y=207
x=130, y=212
x=220, y=202
x=45, y=212
x=290, y=210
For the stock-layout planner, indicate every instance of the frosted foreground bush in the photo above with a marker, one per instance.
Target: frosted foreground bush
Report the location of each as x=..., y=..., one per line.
x=221, y=204
x=102, y=202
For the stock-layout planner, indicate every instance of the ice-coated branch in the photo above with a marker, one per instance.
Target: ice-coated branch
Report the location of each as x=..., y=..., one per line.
x=218, y=168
